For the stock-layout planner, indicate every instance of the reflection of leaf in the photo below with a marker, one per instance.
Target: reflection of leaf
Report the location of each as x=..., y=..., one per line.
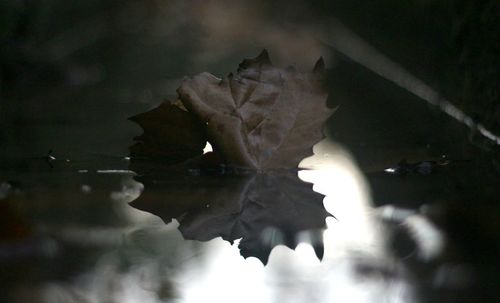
x=262, y=210
x=262, y=117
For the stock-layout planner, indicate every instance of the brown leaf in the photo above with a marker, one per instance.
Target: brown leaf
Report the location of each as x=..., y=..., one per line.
x=171, y=135
x=262, y=117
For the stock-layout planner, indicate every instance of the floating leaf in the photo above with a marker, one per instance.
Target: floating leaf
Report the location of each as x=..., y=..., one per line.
x=261, y=122
x=262, y=117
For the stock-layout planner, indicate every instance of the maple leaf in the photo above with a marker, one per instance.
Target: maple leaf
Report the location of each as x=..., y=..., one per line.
x=262, y=117
x=262, y=122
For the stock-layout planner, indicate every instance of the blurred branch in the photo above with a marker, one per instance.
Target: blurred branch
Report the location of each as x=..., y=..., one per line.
x=346, y=42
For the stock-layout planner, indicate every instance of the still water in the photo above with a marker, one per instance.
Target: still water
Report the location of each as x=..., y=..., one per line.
x=398, y=204
x=70, y=234
x=79, y=240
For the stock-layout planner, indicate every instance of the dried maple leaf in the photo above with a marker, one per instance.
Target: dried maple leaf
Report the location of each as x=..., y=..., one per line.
x=262, y=117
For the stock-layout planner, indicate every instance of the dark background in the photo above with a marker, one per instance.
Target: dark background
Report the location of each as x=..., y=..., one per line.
x=71, y=72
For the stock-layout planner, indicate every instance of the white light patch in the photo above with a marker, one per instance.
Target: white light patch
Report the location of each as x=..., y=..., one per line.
x=390, y=170
x=431, y=242
x=334, y=174
x=226, y=278
x=208, y=148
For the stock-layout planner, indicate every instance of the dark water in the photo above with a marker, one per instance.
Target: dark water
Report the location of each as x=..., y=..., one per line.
x=405, y=200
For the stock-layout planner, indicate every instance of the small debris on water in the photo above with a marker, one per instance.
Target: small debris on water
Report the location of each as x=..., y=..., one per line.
x=50, y=157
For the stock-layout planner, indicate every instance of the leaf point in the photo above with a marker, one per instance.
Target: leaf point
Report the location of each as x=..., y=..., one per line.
x=319, y=67
x=263, y=58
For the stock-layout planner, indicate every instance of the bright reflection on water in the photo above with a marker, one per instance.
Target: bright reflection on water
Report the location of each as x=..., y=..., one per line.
x=355, y=237
x=149, y=261
x=334, y=174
